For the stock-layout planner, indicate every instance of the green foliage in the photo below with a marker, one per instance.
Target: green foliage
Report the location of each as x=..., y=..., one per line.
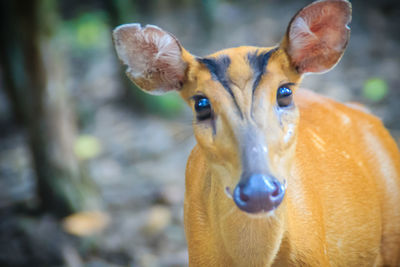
x=375, y=89
x=166, y=105
x=126, y=10
x=88, y=31
x=169, y=103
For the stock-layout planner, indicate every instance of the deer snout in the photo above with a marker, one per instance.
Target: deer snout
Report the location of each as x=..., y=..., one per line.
x=258, y=193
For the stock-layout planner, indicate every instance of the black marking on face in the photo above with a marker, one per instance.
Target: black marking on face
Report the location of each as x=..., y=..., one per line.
x=259, y=65
x=218, y=68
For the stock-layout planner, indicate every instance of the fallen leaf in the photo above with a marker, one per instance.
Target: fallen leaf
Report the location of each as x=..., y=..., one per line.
x=85, y=223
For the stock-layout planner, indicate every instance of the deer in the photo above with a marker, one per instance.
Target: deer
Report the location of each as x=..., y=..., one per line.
x=280, y=175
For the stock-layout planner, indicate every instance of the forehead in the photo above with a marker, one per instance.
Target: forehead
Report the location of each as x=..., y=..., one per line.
x=238, y=66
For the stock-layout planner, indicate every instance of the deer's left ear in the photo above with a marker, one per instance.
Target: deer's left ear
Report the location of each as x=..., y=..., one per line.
x=153, y=57
x=317, y=35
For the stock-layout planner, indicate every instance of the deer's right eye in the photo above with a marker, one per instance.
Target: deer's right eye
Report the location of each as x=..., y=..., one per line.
x=202, y=107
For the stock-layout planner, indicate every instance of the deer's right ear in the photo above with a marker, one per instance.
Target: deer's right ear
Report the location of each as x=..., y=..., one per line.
x=317, y=35
x=153, y=57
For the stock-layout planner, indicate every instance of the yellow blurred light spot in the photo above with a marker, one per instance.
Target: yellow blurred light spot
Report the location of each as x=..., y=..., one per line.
x=158, y=218
x=88, y=33
x=85, y=223
x=87, y=147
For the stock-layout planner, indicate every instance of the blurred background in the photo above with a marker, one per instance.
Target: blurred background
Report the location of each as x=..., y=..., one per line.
x=91, y=168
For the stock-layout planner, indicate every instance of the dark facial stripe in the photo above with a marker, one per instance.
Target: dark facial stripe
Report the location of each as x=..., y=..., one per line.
x=218, y=68
x=259, y=65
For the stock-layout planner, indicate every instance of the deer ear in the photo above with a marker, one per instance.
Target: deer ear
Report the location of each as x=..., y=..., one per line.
x=153, y=57
x=317, y=35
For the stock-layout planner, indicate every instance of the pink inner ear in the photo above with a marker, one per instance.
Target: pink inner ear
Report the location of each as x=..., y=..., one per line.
x=318, y=35
x=152, y=55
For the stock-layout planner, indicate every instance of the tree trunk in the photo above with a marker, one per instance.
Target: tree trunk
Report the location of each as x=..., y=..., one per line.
x=34, y=73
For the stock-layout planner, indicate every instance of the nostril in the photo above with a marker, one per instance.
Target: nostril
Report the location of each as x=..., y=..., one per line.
x=243, y=196
x=277, y=190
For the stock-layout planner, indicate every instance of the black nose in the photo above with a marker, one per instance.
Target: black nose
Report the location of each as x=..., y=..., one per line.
x=258, y=193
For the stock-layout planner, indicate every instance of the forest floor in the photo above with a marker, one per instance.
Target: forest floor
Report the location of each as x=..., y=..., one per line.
x=140, y=171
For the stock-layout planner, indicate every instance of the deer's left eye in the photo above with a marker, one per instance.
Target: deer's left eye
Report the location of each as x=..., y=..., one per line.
x=202, y=106
x=284, y=96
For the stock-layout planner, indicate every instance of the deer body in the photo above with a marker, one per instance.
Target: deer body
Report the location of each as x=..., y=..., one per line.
x=280, y=176
x=329, y=218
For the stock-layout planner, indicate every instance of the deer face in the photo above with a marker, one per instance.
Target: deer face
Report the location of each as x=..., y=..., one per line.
x=245, y=116
x=245, y=120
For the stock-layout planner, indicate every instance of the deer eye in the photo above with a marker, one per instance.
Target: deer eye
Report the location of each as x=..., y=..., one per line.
x=284, y=96
x=202, y=106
